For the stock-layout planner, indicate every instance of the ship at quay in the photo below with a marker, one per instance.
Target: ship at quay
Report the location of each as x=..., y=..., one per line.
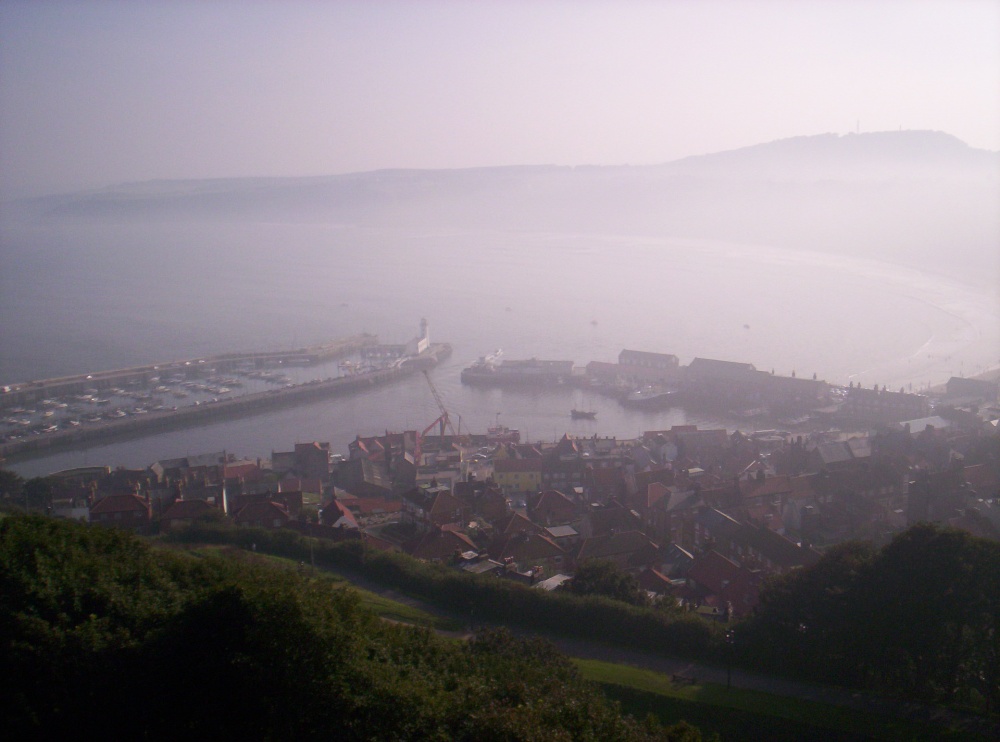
x=492, y=370
x=656, y=381
x=38, y=417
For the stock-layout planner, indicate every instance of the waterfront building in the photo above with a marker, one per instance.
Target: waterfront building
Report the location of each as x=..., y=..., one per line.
x=882, y=406
x=972, y=390
x=661, y=361
x=514, y=476
x=723, y=384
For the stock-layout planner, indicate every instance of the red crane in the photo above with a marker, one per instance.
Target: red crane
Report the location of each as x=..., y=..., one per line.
x=443, y=420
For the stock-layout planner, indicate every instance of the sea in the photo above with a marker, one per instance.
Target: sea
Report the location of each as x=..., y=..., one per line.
x=77, y=298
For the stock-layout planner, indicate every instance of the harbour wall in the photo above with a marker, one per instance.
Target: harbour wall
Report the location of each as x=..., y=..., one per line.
x=242, y=406
x=29, y=393
x=157, y=421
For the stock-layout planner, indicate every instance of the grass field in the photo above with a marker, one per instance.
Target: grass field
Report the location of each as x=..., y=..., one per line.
x=739, y=714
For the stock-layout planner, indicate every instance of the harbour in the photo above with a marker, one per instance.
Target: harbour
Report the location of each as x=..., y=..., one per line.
x=87, y=416
x=57, y=328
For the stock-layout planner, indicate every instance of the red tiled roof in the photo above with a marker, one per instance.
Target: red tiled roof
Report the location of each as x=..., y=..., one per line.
x=714, y=571
x=120, y=504
x=553, y=504
x=525, y=548
x=186, y=509
x=501, y=466
x=369, y=505
x=516, y=523
x=654, y=581
x=981, y=478
x=447, y=504
x=300, y=484
x=770, y=487
x=654, y=493
x=261, y=510
x=337, y=510
x=726, y=579
x=440, y=544
x=627, y=542
x=527, y=451
x=242, y=470
x=607, y=477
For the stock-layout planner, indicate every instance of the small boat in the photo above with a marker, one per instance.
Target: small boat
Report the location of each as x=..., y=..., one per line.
x=650, y=398
x=583, y=414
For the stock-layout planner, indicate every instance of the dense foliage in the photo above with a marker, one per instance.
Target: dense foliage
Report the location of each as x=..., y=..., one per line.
x=919, y=619
x=105, y=634
x=603, y=577
x=594, y=617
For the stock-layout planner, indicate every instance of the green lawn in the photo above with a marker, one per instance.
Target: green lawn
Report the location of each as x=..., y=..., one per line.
x=739, y=714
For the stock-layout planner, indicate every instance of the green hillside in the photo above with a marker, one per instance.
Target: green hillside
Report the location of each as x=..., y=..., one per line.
x=104, y=633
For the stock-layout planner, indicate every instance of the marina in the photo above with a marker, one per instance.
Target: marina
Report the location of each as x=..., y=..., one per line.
x=45, y=415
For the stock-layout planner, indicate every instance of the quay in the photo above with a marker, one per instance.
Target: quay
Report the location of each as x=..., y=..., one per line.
x=28, y=393
x=159, y=421
x=155, y=421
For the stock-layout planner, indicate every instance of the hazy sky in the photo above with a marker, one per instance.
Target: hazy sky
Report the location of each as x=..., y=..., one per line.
x=97, y=93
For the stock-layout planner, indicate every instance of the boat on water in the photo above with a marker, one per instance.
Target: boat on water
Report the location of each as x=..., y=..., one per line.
x=502, y=434
x=489, y=371
x=583, y=414
x=651, y=398
x=497, y=433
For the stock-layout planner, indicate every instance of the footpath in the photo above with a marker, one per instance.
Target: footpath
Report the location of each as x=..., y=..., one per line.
x=704, y=673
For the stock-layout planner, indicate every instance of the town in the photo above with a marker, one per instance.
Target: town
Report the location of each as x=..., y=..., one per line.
x=701, y=517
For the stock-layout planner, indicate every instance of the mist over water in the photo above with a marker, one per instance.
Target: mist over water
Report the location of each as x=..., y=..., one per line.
x=79, y=298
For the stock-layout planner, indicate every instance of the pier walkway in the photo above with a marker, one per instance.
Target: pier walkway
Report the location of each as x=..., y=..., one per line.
x=155, y=421
x=31, y=392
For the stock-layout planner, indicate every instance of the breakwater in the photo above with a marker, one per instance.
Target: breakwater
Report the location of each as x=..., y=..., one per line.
x=31, y=392
x=156, y=421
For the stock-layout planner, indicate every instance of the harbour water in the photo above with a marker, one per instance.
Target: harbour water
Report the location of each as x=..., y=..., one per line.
x=92, y=297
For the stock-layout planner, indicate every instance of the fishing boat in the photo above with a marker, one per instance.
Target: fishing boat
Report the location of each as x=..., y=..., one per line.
x=650, y=398
x=583, y=414
x=498, y=433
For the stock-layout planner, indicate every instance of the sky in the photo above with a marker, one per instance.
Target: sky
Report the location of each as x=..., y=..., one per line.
x=94, y=94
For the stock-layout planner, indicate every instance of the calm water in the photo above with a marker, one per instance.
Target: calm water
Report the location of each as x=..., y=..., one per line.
x=89, y=298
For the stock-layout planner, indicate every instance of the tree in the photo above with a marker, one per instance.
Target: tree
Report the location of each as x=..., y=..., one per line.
x=812, y=613
x=38, y=493
x=934, y=640
x=919, y=619
x=11, y=484
x=604, y=577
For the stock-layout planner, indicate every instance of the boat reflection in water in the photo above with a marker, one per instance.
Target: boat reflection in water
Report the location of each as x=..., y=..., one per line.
x=651, y=398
